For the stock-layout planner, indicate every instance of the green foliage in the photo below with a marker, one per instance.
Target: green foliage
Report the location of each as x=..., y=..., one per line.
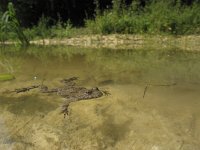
x=156, y=17
x=43, y=30
x=62, y=29
x=1, y=33
x=10, y=23
x=40, y=31
x=97, y=7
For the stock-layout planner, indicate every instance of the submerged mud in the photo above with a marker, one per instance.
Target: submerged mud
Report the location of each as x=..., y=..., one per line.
x=166, y=117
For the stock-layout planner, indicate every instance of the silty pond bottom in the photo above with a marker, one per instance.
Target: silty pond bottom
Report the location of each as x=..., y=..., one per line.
x=153, y=104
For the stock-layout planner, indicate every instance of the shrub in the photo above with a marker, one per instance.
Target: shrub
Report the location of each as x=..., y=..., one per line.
x=158, y=16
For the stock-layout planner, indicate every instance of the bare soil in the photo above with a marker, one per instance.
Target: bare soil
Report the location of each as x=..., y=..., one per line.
x=116, y=41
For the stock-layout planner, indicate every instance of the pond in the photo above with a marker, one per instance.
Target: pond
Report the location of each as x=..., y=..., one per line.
x=153, y=104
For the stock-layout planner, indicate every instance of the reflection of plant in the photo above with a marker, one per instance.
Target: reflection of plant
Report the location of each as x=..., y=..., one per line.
x=9, y=22
x=7, y=66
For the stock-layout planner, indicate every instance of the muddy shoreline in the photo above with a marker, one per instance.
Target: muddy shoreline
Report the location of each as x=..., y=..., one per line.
x=120, y=41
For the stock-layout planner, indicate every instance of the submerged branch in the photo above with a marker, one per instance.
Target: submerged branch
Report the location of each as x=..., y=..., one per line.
x=22, y=127
x=172, y=84
x=145, y=90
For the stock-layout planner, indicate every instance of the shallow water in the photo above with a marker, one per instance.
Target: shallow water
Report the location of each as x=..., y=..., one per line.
x=153, y=104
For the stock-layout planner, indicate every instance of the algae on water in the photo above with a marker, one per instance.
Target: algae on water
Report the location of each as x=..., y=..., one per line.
x=5, y=77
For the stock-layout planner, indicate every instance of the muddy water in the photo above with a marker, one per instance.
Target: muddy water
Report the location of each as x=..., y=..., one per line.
x=154, y=101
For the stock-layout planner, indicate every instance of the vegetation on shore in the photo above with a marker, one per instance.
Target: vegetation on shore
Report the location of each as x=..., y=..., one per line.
x=155, y=17
x=159, y=16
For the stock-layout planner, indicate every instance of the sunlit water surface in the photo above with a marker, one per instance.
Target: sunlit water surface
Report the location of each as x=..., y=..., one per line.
x=153, y=104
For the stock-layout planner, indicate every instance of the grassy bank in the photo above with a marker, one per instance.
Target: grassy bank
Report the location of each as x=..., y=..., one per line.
x=155, y=18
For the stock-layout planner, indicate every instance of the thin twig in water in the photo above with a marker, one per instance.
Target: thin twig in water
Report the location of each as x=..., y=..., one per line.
x=145, y=90
x=19, y=129
x=162, y=84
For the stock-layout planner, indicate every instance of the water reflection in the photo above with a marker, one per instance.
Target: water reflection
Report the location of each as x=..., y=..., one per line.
x=119, y=65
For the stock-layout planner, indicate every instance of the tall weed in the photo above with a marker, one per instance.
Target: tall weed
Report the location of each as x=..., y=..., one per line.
x=10, y=23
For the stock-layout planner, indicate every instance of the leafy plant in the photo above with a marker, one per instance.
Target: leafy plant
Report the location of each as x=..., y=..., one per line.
x=42, y=29
x=10, y=23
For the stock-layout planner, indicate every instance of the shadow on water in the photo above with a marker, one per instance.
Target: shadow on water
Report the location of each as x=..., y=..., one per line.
x=26, y=105
x=112, y=132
